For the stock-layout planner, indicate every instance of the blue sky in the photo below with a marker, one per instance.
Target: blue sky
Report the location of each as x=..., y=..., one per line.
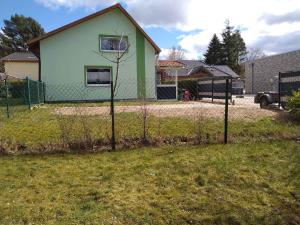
x=188, y=23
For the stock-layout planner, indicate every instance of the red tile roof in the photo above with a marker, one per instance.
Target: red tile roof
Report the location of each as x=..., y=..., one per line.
x=170, y=63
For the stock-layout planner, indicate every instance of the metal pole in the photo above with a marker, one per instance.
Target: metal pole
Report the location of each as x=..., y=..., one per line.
x=28, y=92
x=44, y=91
x=226, y=113
x=7, y=103
x=279, y=90
x=112, y=111
x=212, y=89
x=38, y=91
x=176, y=81
x=231, y=89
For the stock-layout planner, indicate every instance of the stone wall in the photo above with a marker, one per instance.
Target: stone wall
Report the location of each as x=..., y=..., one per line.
x=262, y=74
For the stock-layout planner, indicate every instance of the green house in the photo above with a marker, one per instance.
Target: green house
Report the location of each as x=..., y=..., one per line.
x=78, y=60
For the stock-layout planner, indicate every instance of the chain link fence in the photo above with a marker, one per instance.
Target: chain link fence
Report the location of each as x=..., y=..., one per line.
x=17, y=95
x=77, y=116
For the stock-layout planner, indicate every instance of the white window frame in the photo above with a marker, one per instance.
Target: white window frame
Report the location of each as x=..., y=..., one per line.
x=97, y=67
x=103, y=50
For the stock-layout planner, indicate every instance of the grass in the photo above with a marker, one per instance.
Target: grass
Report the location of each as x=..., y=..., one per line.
x=217, y=184
x=27, y=130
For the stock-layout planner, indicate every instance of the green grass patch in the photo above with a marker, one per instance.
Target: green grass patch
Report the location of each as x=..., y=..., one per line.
x=31, y=129
x=216, y=184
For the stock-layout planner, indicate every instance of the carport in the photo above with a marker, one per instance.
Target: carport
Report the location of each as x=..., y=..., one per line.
x=167, y=89
x=214, y=84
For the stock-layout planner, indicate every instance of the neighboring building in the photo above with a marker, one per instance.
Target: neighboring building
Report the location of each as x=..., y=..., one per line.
x=193, y=70
x=262, y=74
x=74, y=63
x=21, y=65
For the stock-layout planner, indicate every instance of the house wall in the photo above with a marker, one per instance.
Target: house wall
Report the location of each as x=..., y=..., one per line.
x=22, y=69
x=150, y=72
x=65, y=55
x=262, y=74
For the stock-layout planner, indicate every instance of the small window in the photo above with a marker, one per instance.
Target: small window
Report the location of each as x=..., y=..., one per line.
x=113, y=43
x=98, y=76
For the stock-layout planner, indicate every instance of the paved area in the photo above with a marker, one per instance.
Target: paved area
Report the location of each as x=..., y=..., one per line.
x=240, y=108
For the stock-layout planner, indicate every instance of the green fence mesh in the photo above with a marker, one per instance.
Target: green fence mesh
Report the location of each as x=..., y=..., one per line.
x=19, y=94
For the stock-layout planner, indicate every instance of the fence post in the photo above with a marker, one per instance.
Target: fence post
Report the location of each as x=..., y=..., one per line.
x=279, y=90
x=226, y=113
x=44, y=93
x=28, y=93
x=212, y=89
x=38, y=92
x=7, y=99
x=112, y=111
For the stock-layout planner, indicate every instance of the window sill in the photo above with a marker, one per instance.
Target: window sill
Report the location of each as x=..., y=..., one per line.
x=97, y=85
x=113, y=51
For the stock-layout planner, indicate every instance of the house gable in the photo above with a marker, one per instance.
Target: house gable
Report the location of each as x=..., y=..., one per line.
x=118, y=6
x=64, y=56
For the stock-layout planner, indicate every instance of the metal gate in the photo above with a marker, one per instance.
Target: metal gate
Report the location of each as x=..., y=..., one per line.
x=288, y=82
x=214, y=88
x=166, y=92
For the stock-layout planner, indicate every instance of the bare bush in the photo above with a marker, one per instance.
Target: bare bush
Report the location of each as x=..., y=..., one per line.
x=144, y=116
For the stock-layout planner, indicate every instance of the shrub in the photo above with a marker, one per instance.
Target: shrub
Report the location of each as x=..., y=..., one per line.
x=293, y=105
x=17, y=89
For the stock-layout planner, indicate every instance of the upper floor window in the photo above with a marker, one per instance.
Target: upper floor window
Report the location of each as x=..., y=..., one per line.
x=114, y=43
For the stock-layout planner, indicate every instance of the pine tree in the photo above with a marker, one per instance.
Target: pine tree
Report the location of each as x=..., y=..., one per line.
x=233, y=48
x=16, y=32
x=213, y=55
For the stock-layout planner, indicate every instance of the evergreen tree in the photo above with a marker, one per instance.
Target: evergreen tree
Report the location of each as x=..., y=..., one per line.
x=228, y=45
x=233, y=48
x=213, y=55
x=16, y=32
x=239, y=51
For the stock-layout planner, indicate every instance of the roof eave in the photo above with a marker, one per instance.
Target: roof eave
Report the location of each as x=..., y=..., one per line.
x=106, y=10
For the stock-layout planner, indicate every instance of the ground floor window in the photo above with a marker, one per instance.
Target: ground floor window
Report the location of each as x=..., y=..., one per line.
x=98, y=76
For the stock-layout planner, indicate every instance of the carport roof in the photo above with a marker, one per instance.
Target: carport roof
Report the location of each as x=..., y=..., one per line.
x=218, y=71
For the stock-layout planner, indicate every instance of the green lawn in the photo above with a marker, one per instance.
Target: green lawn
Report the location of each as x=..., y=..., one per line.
x=216, y=184
x=28, y=131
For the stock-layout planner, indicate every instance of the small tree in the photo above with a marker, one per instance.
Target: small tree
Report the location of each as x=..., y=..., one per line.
x=176, y=53
x=255, y=53
x=117, y=58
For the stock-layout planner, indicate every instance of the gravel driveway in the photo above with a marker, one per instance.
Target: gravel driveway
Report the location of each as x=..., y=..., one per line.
x=243, y=108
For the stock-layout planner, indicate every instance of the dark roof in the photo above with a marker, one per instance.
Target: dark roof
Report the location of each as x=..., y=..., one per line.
x=221, y=69
x=217, y=71
x=189, y=65
x=20, y=57
x=99, y=13
x=195, y=66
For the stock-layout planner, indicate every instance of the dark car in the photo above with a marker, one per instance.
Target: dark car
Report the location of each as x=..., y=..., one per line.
x=266, y=98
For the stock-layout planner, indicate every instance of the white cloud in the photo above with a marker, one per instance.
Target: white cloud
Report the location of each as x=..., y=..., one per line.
x=165, y=13
x=253, y=16
x=164, y=53
x=187, y=55
x=73, y=4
